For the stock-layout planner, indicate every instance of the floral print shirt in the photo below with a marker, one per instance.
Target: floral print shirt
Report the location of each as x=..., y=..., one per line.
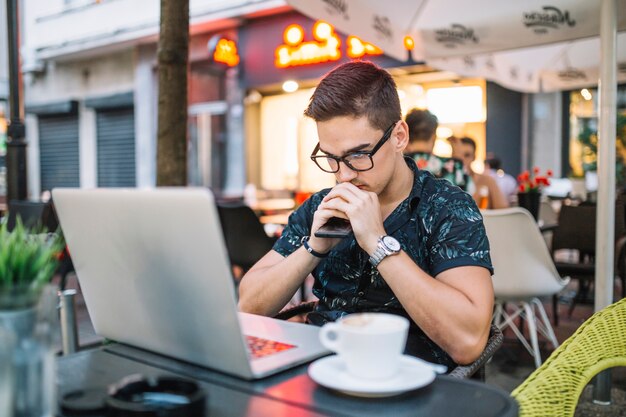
x=437, y=225
x=450, y=169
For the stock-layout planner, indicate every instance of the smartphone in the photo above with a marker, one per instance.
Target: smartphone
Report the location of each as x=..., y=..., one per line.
x=334, y=227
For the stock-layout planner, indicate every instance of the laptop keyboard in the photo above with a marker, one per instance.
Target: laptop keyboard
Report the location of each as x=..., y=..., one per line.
x=259, y=347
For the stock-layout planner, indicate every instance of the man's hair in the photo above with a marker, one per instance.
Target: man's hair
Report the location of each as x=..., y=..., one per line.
x=469, y=141
x=356, y=89
x=494, y=163
x=422, y=125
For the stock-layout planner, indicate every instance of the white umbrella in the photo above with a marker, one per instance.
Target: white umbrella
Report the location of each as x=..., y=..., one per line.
x=555, y=67
x=479, y=32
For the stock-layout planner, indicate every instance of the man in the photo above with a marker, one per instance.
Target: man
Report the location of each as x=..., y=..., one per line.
x=506, y=182
x=422, y=126
x=487, y=194
x=418, y=246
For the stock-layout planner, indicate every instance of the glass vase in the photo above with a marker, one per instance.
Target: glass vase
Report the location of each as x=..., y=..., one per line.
x=27, y=336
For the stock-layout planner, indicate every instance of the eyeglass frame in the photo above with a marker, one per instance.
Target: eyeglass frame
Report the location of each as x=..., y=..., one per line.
x=339, y=159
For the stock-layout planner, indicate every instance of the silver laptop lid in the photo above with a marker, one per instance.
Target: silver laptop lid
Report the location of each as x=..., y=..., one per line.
x=152, y=266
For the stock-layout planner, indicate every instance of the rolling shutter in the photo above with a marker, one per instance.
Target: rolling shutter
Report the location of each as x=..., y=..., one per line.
x=116, y=147
x=58, y=151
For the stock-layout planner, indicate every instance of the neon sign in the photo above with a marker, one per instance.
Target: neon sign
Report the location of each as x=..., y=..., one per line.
x=357, y=48
x=226, y=52
x=295, y=52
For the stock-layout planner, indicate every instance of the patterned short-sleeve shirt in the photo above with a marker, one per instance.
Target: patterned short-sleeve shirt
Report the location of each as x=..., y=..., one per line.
x=450, y=169
x=438, y=226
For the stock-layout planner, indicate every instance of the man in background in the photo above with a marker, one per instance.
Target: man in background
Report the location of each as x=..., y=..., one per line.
x=422, y=135
x=506, y=182
x=487, y=194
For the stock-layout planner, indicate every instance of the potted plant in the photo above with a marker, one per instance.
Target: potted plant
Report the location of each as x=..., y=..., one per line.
x=27, y=263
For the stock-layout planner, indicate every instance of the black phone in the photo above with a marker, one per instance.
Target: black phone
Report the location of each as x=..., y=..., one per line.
x=334, y=227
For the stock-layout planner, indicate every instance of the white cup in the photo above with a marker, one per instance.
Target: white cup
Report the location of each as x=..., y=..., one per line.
x=370, y=344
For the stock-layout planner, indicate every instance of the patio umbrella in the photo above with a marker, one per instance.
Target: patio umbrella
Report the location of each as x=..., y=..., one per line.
x=530, y=45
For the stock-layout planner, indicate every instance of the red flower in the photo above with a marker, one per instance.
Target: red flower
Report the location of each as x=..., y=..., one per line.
x=533, y=183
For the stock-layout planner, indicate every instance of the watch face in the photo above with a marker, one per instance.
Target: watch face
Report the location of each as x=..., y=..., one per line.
x=391, y=243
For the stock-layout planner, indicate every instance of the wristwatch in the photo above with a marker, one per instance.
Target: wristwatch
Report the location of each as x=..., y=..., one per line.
x=387, y=246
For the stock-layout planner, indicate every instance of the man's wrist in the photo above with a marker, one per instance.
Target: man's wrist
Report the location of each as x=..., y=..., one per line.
x=308, y=248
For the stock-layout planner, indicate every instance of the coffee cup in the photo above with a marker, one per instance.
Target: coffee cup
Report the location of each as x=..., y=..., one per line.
x=370, y=344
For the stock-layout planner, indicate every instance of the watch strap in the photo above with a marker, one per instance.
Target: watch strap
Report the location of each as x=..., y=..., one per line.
x=305, y=243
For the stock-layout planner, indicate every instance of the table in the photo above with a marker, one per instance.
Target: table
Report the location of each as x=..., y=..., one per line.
x=290, y=393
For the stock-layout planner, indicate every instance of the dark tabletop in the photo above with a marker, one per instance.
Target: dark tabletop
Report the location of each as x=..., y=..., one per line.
x=290, y=393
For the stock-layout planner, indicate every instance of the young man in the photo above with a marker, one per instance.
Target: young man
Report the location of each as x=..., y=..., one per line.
x=485, y=186
x=422, y=126
x=418, y=246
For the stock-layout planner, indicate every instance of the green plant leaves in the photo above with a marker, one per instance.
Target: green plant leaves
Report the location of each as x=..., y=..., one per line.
x=28, y=259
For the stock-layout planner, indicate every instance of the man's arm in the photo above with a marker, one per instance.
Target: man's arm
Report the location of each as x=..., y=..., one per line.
x=269, y=285
x=454, y=310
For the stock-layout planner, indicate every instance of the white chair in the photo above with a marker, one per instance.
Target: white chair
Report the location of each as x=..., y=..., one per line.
x=524, y=272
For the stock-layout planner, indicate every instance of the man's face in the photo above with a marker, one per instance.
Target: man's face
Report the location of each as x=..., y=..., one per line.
x=342, y=136
x=466, y=153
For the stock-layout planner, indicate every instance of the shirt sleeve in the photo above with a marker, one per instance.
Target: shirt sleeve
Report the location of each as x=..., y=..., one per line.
x=299, y=225
x=458, y=236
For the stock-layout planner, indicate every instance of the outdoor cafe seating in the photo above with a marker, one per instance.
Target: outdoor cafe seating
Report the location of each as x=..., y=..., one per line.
x=524, y=273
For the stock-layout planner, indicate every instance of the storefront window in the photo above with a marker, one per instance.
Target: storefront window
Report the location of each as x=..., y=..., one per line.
x=460, y=107
x=583, y=141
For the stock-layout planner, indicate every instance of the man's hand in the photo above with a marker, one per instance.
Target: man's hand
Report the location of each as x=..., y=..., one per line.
x=360, y=207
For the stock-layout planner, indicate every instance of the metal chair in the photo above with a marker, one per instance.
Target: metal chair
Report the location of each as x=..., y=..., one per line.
x=524, y=272
x=576, y=231
x=245, y=238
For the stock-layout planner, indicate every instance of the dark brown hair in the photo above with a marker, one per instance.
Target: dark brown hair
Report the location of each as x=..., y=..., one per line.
x=422, y=125
x=468, y=141
x=356, y=89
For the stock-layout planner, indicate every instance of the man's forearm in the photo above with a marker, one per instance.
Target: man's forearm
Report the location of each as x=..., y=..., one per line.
x=273, y=281
x=457, y=319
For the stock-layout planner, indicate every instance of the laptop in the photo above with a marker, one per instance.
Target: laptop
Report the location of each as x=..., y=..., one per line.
x=154, y=272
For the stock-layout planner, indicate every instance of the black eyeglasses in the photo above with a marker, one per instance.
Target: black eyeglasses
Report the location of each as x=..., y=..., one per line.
x=356, y=161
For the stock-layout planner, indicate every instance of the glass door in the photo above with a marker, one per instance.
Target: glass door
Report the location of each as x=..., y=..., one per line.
x=207, y=145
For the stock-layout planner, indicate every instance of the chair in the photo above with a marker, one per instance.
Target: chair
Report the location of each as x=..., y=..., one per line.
x=576, y=230
x=475, y=370
x=598, y=344
x=246, y=240
x=33, y=214
x=524, y=272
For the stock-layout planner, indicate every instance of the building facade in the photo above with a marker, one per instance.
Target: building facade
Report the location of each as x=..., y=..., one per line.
x=90, y=83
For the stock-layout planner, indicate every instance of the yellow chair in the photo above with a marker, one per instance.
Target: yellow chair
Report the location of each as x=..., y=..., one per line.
x=598, y=344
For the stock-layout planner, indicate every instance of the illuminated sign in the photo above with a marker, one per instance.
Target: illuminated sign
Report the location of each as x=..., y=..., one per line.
x=326, y=46
x=224, y=51
x=357, y=48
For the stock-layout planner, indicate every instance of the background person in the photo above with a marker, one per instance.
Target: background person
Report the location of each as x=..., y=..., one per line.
x=418, y=247
x=422, y=126
x=507, y=183
x=487, y=194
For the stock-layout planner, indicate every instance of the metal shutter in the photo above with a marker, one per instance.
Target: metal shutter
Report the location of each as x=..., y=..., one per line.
x=116, y=147
x=58, y=151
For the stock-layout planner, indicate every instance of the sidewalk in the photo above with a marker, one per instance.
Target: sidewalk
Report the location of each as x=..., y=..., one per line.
x=510, y=366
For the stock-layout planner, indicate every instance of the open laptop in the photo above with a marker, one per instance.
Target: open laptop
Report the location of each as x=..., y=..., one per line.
x=154, y=272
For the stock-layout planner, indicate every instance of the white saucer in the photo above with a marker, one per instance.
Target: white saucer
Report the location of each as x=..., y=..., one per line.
x=331, y=372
